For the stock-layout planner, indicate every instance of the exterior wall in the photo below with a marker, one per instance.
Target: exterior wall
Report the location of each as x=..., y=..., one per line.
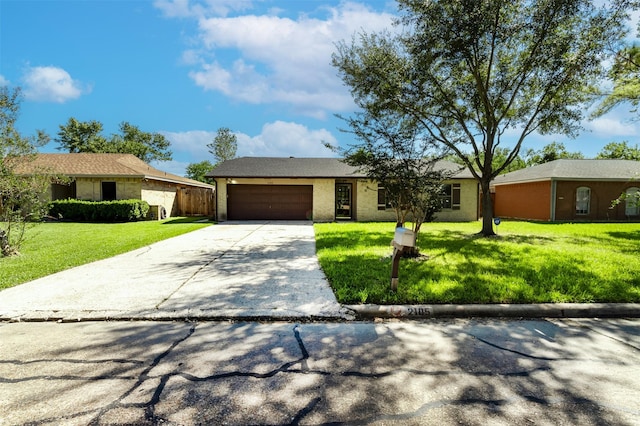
x=162, y=194
x=469, y=202
x=368, y=204
x=91, y=188
x=367, y=207
x=602, y=194
x=364, y=199
x=523, y=201
x=323, y=195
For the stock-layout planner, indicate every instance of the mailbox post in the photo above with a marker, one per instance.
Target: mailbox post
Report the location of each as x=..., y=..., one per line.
x=402, y=238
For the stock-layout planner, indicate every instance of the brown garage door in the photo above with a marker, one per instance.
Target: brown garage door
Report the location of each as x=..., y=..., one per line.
x=270, y=202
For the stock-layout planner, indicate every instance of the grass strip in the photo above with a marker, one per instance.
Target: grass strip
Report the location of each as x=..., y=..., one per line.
x=526, y=263
x=53, y=247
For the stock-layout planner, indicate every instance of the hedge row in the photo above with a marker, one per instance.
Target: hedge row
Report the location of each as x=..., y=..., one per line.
x=99, y=211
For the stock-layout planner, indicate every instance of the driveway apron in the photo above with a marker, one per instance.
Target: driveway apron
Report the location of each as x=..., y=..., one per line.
x=231, y=270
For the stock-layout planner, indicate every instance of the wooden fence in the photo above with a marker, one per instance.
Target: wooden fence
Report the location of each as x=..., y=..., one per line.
x=195, y=202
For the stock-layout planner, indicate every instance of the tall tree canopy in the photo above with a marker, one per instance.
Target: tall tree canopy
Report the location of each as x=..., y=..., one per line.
x=224, y=145
x=550, y=152
x=86, y=136
x=479, y=75
x=620, y=150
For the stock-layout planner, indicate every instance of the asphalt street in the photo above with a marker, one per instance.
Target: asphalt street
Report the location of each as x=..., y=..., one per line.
x=436, y=372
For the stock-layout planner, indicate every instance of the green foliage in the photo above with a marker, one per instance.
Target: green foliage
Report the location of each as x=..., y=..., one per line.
x=77, y=136
x=224, y=145
x=198, y=171
x=22, y=198
x=392, y=153
x=99, y=211
x=470, y=72
x=54, y=247
x=550, y=152
x=625, y=75
x=620, y=150
x=526, y=263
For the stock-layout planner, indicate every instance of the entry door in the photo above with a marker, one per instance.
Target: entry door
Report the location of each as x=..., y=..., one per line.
x=343, y=201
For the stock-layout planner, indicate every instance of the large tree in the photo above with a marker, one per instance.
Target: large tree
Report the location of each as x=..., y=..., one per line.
x=224, y=145
x=86, y=136
x=479, y=75
x=22, y=197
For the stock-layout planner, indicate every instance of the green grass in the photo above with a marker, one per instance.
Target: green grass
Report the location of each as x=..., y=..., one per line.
x=526, y=263
x=53, y=247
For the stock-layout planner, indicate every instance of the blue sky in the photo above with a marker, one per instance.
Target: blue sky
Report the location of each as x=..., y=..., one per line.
x=185, y=68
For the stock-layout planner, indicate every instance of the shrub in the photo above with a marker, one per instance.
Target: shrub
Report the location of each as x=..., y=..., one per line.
x=100, y=211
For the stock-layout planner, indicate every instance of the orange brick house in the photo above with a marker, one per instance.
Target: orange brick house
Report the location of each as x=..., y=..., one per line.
x=568, y=190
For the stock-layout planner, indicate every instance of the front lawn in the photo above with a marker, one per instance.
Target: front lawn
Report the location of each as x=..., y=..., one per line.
x=53, y=247
x=526, y=263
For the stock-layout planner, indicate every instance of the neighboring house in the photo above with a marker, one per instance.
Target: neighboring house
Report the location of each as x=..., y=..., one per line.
x=567, y=190
x=320, y=189
x=99, y=177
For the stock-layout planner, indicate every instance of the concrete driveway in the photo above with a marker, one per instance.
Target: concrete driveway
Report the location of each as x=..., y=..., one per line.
x=232, y=270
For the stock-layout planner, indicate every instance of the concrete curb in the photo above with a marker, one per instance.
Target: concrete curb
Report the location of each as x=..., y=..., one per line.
x=541, y=310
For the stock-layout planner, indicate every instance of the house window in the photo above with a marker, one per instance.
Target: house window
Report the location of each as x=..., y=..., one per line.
x=383, y=202
x=583, y=199
x=451, y=196
x=632, y=202
x=108, y=191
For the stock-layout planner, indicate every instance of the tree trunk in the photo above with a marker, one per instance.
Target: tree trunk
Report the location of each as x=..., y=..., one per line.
x=487, y=209
x=5, y=248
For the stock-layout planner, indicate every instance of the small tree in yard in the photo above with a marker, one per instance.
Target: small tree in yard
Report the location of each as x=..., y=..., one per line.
x=392, y=153
x=484, y=74
x=22, y=198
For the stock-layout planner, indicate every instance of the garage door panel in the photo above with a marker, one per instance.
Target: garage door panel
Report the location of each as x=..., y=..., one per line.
x=270, y=202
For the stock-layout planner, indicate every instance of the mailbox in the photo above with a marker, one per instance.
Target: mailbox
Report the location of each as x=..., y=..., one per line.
x=404, y=237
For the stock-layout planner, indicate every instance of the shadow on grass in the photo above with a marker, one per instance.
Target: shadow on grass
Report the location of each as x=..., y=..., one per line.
x=468, y=268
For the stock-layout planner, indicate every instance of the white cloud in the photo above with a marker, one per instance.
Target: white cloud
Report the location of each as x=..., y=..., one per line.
x=51, y=84
x=277, y=139
x=186, y=8
x=3, y=81
x=286, y=139
x=263, y=59
x=193, y=142
x=611, y=126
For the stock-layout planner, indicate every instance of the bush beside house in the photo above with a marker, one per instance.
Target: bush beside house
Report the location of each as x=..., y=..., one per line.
x=99, y=211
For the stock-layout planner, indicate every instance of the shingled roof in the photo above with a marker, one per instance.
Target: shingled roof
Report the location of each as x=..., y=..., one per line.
x=102, y=165
x=292, y=167
x=566, y=169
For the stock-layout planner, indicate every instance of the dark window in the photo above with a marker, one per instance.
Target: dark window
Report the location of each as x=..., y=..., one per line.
x=450, y=196
x=383, y=202
x=108, y=191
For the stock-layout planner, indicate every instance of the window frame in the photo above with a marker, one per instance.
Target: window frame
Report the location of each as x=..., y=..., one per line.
x=382, y=192
x=631, y=207
x=581, y=200
x=451, y=196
